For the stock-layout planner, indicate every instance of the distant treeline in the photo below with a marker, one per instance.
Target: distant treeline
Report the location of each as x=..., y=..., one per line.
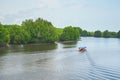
x=42, y=31
x=98, y=33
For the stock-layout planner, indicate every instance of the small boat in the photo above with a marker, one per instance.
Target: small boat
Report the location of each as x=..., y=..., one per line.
x=82, y=49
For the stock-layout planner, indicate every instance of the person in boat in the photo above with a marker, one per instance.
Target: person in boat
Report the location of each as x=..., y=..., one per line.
x=82, y=49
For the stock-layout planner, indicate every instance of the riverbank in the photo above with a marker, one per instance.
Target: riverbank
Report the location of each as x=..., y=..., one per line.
x=68, y=41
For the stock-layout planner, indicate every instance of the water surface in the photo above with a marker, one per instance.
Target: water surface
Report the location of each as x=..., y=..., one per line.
x=62, y=61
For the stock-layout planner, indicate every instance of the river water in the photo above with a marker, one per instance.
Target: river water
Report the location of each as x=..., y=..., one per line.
x=62, y=61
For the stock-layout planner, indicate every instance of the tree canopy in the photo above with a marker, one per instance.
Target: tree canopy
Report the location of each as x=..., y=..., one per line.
x=4, y=36
x=84, y=33
x=42, y=31
x=38, y=31
x=97, y=33
x=18, y=35
x=118, y=34
x=69, y=33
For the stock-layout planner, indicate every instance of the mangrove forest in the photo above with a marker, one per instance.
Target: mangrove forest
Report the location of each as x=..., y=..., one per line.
x=43, y=31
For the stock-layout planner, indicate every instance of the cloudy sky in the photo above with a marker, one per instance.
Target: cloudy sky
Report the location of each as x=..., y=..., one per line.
x=88, y=14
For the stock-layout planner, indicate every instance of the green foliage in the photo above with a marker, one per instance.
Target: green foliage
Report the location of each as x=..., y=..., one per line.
x=30, y=29
x=106, y=34
x=79, y=29
x=46, y=31
x=97, y=33
x=59, y=31
x=84, y=33
x=113, y=34
x=91, y=34
x=18, y=35
x=4, y=36
x=40, y=31
x=69, y=33
x=118, y=34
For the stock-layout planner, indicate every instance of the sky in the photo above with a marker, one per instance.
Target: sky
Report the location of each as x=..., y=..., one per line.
x=90, y=15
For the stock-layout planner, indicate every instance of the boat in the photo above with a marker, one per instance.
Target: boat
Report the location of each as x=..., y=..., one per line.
x=82, y=49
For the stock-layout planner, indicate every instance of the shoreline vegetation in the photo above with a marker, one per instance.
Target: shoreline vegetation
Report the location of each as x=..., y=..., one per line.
x=42, y=31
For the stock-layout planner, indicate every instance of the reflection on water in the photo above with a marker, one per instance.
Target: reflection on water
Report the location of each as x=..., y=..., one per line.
x=69, y=44
x=41, y=47
x=62, y=61
x=27, y=48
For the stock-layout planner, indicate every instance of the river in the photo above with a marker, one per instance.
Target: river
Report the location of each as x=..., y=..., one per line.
x=62, y=61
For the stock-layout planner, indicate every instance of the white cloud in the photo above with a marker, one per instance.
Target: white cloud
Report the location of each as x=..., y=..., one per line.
x=60, y=12
x=47, y=3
